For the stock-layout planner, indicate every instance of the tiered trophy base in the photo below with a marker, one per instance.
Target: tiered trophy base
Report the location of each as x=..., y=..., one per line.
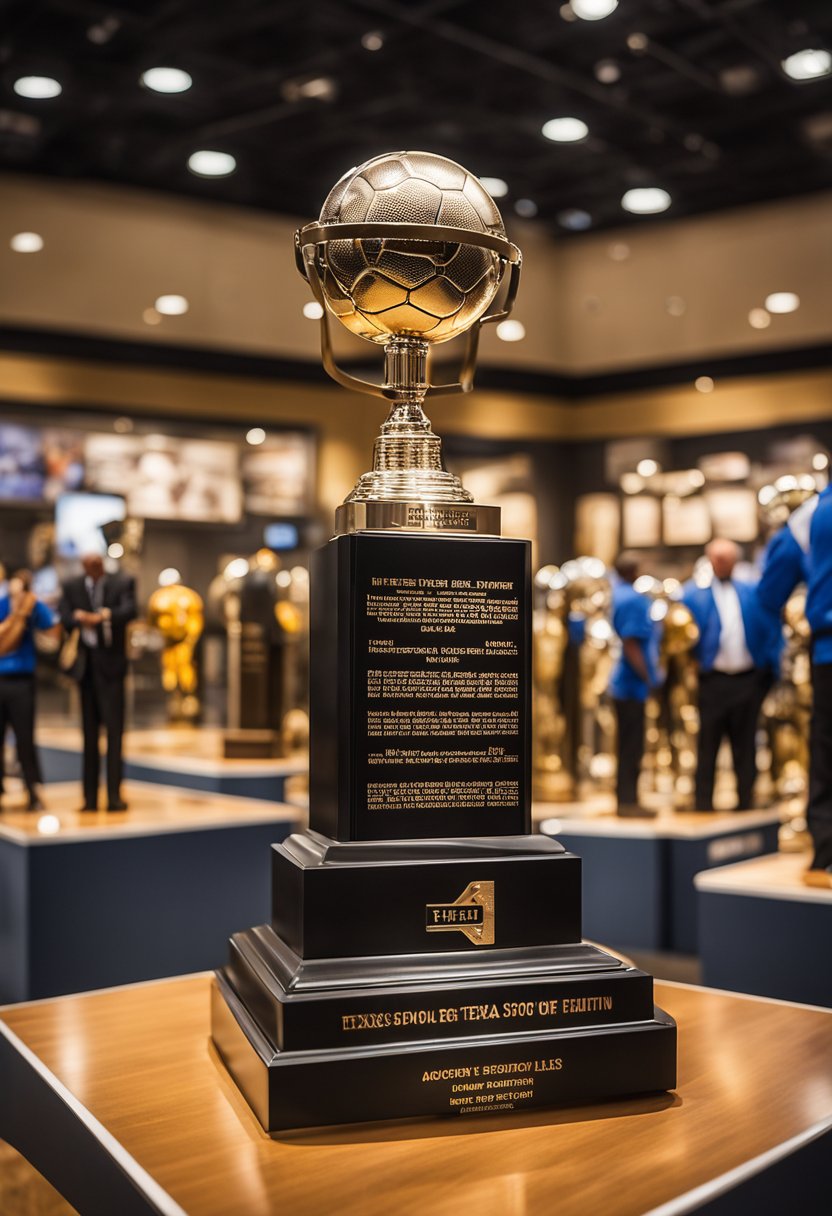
x=474, y=1012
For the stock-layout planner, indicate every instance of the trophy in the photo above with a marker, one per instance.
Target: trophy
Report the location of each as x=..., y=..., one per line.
x=424, y=954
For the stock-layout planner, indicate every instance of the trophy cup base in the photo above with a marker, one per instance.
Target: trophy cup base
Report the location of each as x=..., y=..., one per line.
x=374, y=515
x=482, y=1074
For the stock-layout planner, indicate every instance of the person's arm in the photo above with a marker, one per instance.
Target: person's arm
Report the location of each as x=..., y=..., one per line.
x=784, y=567
x=66, y=612
x=44, y=621
x=634, y=654
x=124, y=609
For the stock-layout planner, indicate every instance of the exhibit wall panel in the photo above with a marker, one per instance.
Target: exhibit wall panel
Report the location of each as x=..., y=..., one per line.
x=589, y=303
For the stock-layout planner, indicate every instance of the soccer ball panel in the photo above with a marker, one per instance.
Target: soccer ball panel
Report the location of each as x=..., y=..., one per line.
x=356, y=202
x=484, y=205
x=346, y=260
x=469, y=265
x=458, y=212
x=408, y=270
x=444, y=173
x=385, y=172
x=412, y=202
x=407, y=320
x=438, y=297
x=374, y=293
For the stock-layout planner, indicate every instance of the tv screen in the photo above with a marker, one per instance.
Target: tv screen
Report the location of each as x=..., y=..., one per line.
x=22, y=471
x=280, y=536
x=79, y=519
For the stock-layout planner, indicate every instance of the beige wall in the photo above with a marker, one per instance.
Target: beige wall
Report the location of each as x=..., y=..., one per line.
x=111, y=251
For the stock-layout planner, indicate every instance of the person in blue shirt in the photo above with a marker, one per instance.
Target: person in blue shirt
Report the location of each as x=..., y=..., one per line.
x=802, y=552
x=738, y=656
x=17, y=676
x=633, y=677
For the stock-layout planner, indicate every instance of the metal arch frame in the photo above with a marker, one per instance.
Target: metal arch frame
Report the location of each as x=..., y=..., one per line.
x=312, y=235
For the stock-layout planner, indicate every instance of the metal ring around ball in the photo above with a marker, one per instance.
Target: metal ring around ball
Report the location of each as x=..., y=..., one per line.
x=316, y=234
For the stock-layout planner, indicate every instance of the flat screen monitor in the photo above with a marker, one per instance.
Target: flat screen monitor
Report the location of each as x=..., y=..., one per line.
x=79, y=519
x=279, y=536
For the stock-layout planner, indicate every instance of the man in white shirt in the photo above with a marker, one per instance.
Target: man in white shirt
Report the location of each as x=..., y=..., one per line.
x=738, y=654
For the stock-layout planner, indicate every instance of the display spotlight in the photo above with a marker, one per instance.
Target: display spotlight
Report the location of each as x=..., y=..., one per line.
x=209, y=163
x=495, y=186
x=26, y=242
x=511, y=331
x=166, y=80
x=565, y=130
x=37, y=88
x=593, y=10
x=645, y=200
x=782, y=302
x=171, y=306
x=807, y=65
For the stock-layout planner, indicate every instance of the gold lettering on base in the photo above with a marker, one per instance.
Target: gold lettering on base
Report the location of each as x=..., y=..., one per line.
x=471, y=914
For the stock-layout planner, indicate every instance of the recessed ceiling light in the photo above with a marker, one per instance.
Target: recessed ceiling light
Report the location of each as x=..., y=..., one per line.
x=495, y=186
x=313, y=310
x=526, y=207
x=607, y=71
x=166, y=80
x=565, y=130
x=593, y=10
x=26, y=242
x=373, y=40
x=575, y=219
x=782, y=301
x=256, y=436
x=759, y=318
x=808, y=65
x=704, y=384
x=511, y=331
x=171, y=306
x=208, y=163
x=646, y=200
x=37, y=88
x=317, y=88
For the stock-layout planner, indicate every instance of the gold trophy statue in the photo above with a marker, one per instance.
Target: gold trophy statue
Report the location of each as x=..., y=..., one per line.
x=177, y=613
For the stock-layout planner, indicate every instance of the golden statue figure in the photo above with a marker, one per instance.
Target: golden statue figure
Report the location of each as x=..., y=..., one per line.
x=177, y=613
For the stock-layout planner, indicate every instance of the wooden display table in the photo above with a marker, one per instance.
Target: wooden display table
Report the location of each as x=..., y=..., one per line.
x=761, y=930
x=118, y=1099
x=638, y=890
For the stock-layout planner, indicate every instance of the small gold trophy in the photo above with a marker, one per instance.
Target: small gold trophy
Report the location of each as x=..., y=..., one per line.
x=409, y=251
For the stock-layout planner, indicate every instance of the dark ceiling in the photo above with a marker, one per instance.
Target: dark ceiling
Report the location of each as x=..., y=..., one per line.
x=701, y=106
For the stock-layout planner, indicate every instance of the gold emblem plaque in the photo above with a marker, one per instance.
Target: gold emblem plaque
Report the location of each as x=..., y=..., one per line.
x=472, y=914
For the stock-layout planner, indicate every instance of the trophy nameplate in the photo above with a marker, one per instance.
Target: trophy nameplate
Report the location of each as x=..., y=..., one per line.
x=424, y=954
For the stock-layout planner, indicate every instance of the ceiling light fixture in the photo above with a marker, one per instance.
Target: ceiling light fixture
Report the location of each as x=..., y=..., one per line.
x=704, y=384
x=646, y=200
x=495, y=186
x=593, y=10
x=171, y=306
x=373, y=40
x=782, y=301
x=607, y=71
x=26, y=242
x=758, y=318
x=526, y=208
x=256, y=436
x=807, y=65
x=37, y=88
x=565, y=130
x=511, y=331
x=313, y=310
x=208, y=163
x=646, y=468
x=166, y=80
x=575, y=219
x=820, y=461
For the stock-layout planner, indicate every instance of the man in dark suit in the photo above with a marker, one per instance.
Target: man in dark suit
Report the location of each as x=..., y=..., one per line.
x=100, y=606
